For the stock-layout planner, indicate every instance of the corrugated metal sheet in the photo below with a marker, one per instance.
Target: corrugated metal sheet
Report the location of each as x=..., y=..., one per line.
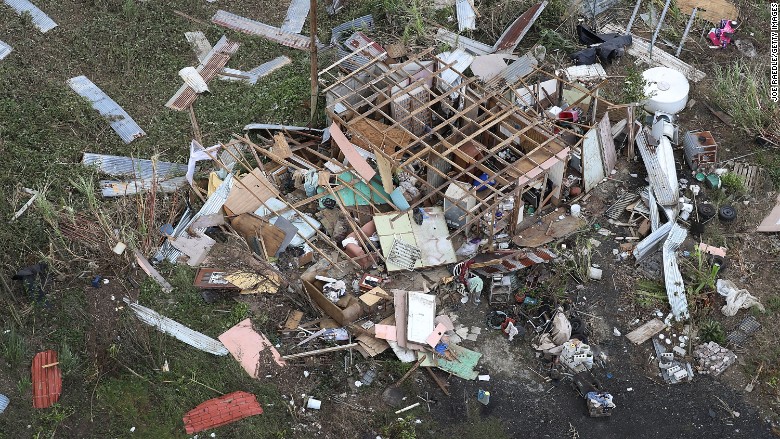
x=42, y=21
x=640, y=48
x=359, y=40
x=296, y=16
x=350, y=61
x=675, y=288
x=648, y=245
x=593, y=72
x=460, y=60
x=467, y=18
x=511, y=37
x=267, y=68
x=465, y=43
x=120, y=121
x=251, y=27
x=4, y=401
x=365, y=22
x=46, y=381
x=521, y=68
x=212, y=205
x=118, y=166
x=616, y=210
x=655, y=215
x=665, y=195
x=177, y=330
x=214, y=62
x=5, y=49
x=115, y=188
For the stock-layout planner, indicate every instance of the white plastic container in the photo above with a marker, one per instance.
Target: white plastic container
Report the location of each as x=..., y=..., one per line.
x=576, y=210
x=313, y=404
x=668, y=90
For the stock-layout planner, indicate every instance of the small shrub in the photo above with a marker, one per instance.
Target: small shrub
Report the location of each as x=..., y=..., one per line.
x=733, y=183
x=712, y=330
x=13, y=347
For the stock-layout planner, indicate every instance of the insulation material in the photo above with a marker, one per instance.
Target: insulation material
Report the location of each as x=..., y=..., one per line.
x=43, y=22
x=120, y=121
x=193, y=79
x=246, y=345
x=177, y=330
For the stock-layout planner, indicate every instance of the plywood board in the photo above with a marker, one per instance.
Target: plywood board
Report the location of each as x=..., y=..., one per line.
x=370, y=134
x=195, y=247
x=646, y=331
x=251, y=226
x=710, y=10
x=250, y=193
x=772, y=221
x=432, y=238
x=355, y=159
x=463, y=367
x=372, y=346
x=385, y=171
x=421, y=312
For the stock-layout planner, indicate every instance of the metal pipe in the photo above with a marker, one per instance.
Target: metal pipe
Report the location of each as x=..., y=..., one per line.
x=685, y=34
x=633, y=16
x=658, y=28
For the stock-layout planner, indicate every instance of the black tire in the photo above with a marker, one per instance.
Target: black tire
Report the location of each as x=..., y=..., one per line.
x=727, y=214
x=706, y=211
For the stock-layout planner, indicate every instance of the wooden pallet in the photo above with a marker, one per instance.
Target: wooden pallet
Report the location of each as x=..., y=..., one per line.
x=751, y=174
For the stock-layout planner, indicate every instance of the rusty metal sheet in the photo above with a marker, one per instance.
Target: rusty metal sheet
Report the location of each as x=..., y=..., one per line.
x=120, y=121
x=607, y=144
x=296, y=16
x=213, y=63
x=511, y=37
x=46, y=379
x=43, y=22
x=256, y=28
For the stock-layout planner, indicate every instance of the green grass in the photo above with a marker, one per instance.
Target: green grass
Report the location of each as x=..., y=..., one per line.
x=742, y=89
x=13, y=346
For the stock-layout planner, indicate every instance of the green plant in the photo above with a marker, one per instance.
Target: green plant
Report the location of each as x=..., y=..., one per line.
x=743, y=89
x=402, y=428
x=712, y=330
x=733, y=183
x=69, y=361
x=634, y=87
x=13, y=347
x=24, y=384
x=649, y=293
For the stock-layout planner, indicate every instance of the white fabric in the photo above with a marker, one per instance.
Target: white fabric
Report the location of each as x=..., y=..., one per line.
x=736, y=298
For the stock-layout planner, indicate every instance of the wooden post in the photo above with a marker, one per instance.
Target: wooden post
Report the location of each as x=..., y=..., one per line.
x=313, y=52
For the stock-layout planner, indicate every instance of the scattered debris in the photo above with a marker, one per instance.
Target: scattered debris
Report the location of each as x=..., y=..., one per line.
x=209, y=67
x=246, y=346
x=712, y=358
x=736, y=298
x=747, y=327
x=5, y=49
x=251, y=27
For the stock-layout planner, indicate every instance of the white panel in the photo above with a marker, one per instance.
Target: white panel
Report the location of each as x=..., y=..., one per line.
x=592, y=164
x=422, y=310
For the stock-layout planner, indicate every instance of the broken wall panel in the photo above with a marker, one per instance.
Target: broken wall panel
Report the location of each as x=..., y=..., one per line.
x=296, y=16
x=212, y=64
x=422, y=311
x=120, y=121
x=592, y=162
x=256, y=28
x=43, y=22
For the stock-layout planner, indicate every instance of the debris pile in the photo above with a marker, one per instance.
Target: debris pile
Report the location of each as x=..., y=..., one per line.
x=712, y=358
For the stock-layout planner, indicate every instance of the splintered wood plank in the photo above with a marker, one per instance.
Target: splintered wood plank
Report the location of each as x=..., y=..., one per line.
x=646, y=331
x=355, y=159
x=385, y=171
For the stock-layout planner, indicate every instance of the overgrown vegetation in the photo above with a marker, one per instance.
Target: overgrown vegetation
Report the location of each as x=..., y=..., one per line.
x=712, y=330
x=742, y=90
x=634, y=86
